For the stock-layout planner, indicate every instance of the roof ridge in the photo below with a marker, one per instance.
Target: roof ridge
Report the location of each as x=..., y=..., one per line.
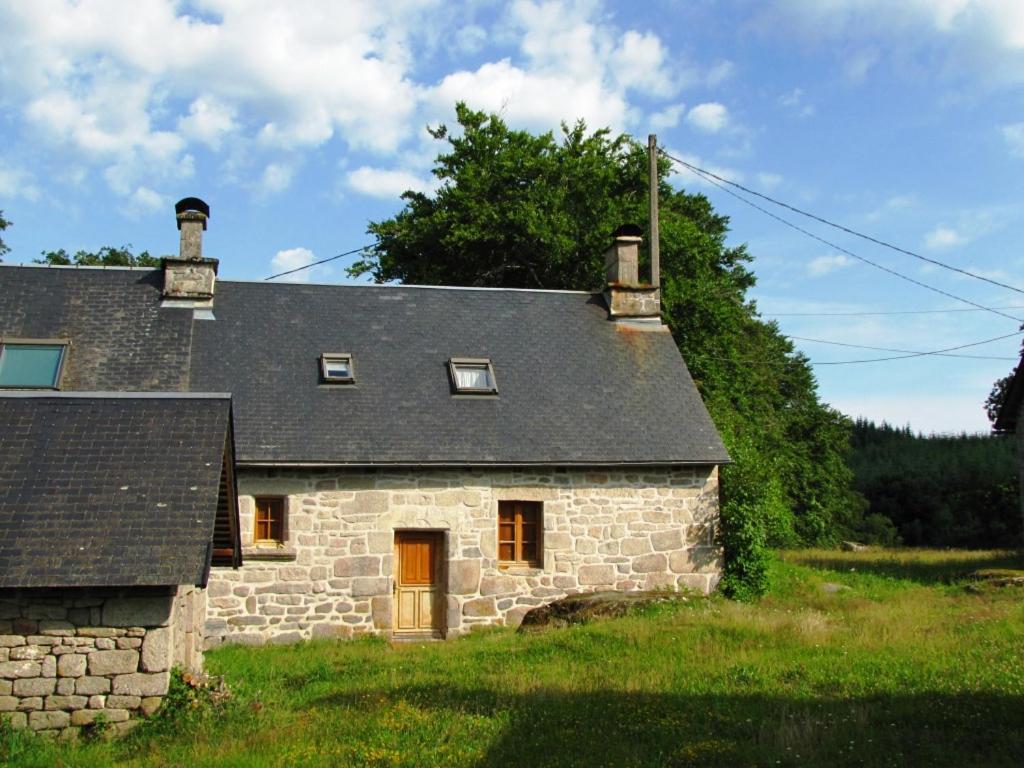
x=118, y=268
x=394, y=286
x=76, y=395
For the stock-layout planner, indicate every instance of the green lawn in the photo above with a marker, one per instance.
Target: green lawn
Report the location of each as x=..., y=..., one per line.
x=876, y=659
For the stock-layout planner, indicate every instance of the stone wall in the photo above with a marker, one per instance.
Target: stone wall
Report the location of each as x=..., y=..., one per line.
x=625, y=530
x=69, y=656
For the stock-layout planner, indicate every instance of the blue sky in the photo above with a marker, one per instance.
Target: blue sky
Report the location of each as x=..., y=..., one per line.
x=299, y=122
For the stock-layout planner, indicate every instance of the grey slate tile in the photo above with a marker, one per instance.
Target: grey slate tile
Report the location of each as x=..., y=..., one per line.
x=93, y=488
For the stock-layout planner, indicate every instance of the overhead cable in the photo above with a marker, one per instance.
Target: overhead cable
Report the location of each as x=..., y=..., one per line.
x=848, y=252
x=890, y=349
x=893, y=312
x=317, y=263
x=842, y=228
x=932, y=353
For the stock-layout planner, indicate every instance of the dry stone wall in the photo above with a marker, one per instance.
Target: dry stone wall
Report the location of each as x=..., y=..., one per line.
x=71, y=656
x=333, y=576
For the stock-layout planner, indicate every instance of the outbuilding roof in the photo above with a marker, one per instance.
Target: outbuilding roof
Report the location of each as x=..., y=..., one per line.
x=92, y=486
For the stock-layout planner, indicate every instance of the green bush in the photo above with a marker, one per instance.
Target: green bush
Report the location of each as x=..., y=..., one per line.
x=754, y=515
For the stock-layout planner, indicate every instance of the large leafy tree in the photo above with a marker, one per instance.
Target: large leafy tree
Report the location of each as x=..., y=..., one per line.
x=514, y=209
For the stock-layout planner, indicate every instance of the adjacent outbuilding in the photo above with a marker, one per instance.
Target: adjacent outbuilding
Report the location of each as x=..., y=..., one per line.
x=113, y=507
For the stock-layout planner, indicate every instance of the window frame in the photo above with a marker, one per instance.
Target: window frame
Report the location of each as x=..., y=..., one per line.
x=335, y=357
x=64, y=344
x=472, y=362
x=536, y=509
x=282, y=522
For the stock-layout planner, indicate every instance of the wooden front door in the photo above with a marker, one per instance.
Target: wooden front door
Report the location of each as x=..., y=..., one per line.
x=419, y=598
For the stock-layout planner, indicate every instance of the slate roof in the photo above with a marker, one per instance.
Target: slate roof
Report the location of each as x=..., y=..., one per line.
x=121, y=339
x=573, y=387
x=92, y=486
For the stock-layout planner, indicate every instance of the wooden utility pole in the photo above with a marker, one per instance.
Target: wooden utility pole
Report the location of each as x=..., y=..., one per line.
x=652, y=157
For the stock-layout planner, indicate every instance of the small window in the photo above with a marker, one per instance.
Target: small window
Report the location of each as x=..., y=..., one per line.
x=31, y=365
x=473, y=376
x=336, y=368
x=519, y=531
x=269, y=528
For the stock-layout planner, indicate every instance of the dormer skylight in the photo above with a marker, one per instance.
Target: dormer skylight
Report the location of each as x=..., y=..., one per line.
x=31, y=364
x=336, y=368
x=472, y=376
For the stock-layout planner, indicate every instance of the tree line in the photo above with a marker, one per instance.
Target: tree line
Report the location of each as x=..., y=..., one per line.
x=948, y=491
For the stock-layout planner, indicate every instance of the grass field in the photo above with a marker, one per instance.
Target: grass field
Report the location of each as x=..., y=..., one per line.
x=855, y=659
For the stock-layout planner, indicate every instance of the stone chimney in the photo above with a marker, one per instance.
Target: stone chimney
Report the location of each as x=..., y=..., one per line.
x=629, y=300
x=190, y=277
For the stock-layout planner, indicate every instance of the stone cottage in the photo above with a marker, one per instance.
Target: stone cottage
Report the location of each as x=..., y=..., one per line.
x=411, y=461
x=112, y=509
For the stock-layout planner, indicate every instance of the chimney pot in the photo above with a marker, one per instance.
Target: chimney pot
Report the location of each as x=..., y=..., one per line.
x=191, y=213
x=622, y=260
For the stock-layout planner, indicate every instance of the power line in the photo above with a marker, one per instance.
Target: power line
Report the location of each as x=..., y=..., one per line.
x=934, y=352
x=316, y=263
x=890, y=349
x=896, y=312
x=842, y=228
x=848, y=252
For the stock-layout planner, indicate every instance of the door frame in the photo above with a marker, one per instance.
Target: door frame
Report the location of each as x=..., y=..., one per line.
x=440, y=605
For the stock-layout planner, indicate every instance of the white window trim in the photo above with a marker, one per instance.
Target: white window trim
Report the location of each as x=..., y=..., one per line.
x=455, y=362
x=335, y=357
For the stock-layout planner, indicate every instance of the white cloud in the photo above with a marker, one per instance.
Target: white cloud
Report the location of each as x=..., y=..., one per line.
x=983, y=38
x=16, y=182
x=532, y=99
x=276, y=177
x=1013, y=135
x=710, y=117
x=667, y=118
x=824, y=265
x=769, y=180
x=859, y=63
x=208, y=121
x=384, y=183
x=470, y=39
x=638, y=62
x=145, y=200
x=138, y=98
x=943, y=237
x=133, y=89
x=794, y=100
x=719, y=73
x=293, y=258
x=572, y=64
